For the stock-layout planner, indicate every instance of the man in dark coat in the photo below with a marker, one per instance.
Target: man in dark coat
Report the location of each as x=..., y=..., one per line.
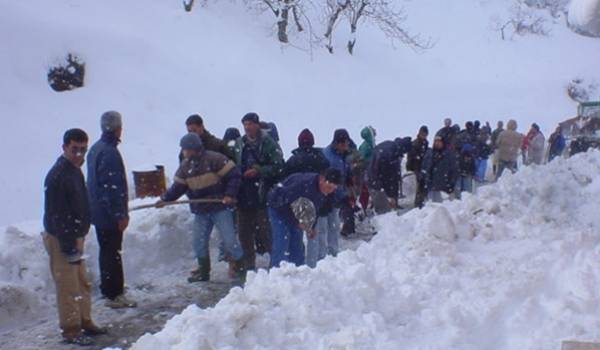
x=447, y=133
x=261, y=163
x=205, y=174
x=385, y=174
x=439, y=170
x=195, y=124
x=287, y=230
x=414, y=162
x=107, y=187
x=466, y=171
x=306, y=158
x=66, y=223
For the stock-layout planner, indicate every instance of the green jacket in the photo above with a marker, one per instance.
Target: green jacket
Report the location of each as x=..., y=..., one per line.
x=269, y=164
x=366, y=148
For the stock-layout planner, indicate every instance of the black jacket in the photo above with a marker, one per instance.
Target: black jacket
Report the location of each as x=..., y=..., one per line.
x=306, y=160
x=414, y=159
x=66, y=206
x=440, y=170
x=384, y=172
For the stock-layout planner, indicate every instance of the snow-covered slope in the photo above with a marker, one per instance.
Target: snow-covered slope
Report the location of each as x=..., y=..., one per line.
x=157, y=64
x=513, y=267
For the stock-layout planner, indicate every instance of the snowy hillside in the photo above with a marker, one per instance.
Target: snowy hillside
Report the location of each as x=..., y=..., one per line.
x=158, y=64
x=514, y=267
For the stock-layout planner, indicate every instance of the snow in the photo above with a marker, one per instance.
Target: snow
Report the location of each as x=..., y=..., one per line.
x=512, y=267
x=584, y=16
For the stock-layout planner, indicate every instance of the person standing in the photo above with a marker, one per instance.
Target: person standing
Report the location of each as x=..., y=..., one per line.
x=261, y=162
x=205, y=174
x=537, y=142
x=557, y=144
x=66, y=223
x=509, y=142
x=466, y=171
x=414, y=161
x=108, y=193
x=495, y=134
x=440, y=170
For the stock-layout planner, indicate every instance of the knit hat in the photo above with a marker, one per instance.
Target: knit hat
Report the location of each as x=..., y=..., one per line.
x=424, y=129
x=306, y=139
x=191, y=141
x=333, y=176
x=340, y=136
x=251, y=117
x=110, y=121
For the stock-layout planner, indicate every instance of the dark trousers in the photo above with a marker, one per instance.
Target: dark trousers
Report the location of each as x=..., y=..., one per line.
x=111, y=265
x=421, y=193
x=255, y=233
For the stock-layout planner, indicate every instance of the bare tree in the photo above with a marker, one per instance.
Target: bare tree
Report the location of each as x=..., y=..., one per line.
x=379, y=12
x=523, y=21
x=281, y=9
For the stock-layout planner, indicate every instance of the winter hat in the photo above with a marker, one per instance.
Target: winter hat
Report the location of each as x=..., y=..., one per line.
x=424, y=129
x=340, y=136
x=306, y=139
x=191, y=141
x=231, y=134
x=535, y=126
x=110, y=121
x=251, y=117
x=333, y=176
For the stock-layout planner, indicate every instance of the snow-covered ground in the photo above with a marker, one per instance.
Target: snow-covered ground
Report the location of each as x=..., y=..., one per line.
x=513, y=267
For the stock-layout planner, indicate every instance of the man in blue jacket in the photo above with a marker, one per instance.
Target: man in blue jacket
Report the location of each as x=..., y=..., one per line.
x=287, y=231
x=107, y=187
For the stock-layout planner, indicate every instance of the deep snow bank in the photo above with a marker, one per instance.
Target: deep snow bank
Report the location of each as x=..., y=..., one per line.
x=584, y=16
x=514, y=267
x=156, y=245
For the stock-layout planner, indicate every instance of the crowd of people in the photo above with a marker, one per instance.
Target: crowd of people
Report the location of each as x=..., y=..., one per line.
x=259, y=202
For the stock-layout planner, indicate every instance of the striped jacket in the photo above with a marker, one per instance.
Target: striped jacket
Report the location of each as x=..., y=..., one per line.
x=207, y=175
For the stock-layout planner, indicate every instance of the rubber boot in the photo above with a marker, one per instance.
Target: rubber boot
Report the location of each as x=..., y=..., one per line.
x=202, y=274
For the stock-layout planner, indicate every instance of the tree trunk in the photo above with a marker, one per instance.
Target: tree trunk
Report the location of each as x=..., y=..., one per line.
x=282, y=23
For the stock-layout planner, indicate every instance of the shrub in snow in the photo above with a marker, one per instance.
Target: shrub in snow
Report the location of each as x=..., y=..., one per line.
x=580, y=92
x=522, y=21
x=584, y=17
x=67, y=76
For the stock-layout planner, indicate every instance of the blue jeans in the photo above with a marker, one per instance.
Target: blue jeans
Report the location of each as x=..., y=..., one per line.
x=464, y=183
x=481, y=168
x=203, y=226
x=326, y=240
x=288, y=242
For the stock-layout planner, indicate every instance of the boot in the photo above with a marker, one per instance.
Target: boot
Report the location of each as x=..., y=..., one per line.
x=240, y=270
x=202, y=274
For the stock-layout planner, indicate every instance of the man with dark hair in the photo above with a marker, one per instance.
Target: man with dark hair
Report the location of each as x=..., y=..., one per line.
x=439, y=170
x=205, y=174
x=261, y=163
x=195, y=124
x=414, y=161
x=107, y=187
x=287, y=229
x=66, y=223
x=447, y=133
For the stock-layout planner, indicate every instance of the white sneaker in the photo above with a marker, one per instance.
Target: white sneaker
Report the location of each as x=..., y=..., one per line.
x=120, y=302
